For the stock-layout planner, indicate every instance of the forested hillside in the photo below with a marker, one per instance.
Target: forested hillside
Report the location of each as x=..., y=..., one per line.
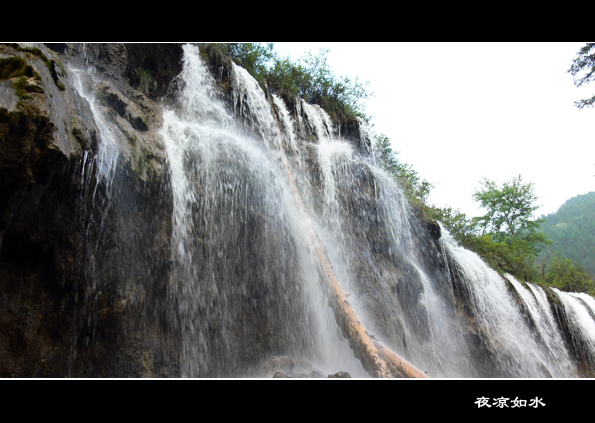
x=572, y=228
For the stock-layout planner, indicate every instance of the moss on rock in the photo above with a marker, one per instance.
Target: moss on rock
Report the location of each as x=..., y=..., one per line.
x=15, y=67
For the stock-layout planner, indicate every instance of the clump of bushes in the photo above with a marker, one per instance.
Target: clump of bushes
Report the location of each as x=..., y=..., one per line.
x=309, y=78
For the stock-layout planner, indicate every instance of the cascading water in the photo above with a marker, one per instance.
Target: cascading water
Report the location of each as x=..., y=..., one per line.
x=249, y=186
x=241, y=250
x=244, y=282
x=519, y=325
x=97, y=173
x=580, y=309
x=366, y=223
x=544, y=330
x=107, y=155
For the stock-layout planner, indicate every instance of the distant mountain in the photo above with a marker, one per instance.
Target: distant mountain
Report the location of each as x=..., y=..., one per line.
x=572, y=228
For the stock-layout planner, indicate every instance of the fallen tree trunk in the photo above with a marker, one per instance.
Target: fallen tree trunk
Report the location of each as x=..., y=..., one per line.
x=402, y=366
x=376, y=358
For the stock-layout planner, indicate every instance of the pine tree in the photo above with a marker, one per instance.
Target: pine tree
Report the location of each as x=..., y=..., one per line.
x=583, y=71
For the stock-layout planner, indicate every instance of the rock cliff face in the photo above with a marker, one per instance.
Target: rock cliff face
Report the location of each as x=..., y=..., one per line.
x=80, y=264
x=139, y=241
x=86, y=265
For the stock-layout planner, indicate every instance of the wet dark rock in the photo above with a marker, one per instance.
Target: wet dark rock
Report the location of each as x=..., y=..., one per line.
x=353, y=130
x=287, y=367
x=340, y=375
x=151, y=67
x=282, y=375
x=50, y=234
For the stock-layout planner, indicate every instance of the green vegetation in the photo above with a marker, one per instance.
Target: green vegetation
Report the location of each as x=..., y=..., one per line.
x=310, y=78
x=417, y=188
x=507, y=237
x=147, y=83
x=255, y=58
x=15, y=67
x=511, y=241
x=572, y=256
x=509, y=217
x=583, y=71
x=50, y=63
x=572, y=229
x=23, y=87
x=509, y=207
x=567, y=275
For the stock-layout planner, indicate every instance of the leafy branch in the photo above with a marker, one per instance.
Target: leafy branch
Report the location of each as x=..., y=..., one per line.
x=583, y=72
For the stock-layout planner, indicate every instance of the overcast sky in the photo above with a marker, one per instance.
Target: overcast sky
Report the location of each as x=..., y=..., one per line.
x=458, y=112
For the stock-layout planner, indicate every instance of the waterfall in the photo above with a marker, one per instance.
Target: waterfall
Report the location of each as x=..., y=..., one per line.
x=224, y=260
x=97, y=175
x=108, y=152
x=240, y=251
x=553, y=351
x=245, y=283
x=521, y=326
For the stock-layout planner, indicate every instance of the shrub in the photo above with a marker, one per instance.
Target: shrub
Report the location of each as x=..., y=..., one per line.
x=310, y=78
x=567, y=275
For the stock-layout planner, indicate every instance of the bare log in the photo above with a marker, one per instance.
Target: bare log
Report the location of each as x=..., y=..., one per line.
x=401, y=365
x=376, y=358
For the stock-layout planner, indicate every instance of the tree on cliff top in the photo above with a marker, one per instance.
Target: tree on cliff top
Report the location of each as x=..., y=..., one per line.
x=509, y=221
x=509, y=207
x=509, y=216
